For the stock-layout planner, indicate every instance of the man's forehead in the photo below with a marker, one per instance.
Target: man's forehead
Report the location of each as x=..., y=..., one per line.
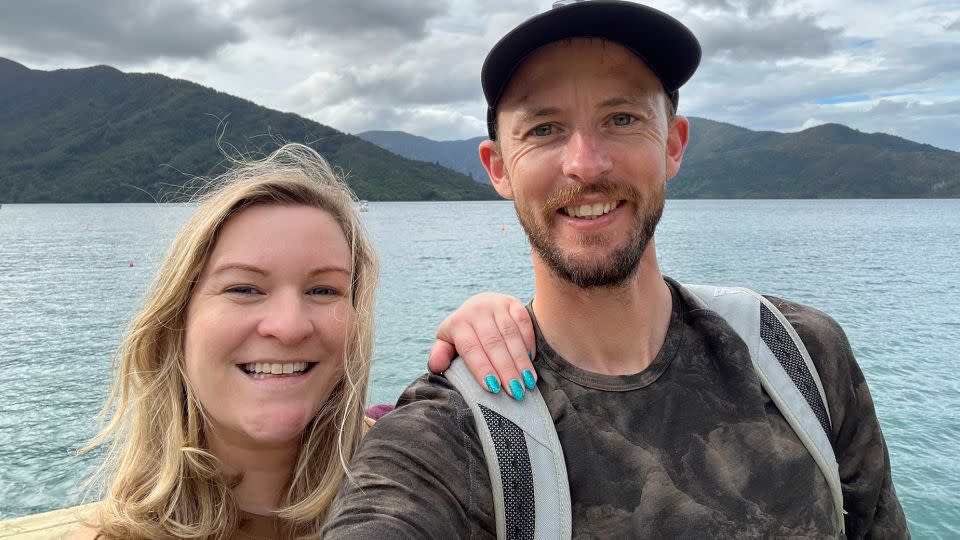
x=585, y=58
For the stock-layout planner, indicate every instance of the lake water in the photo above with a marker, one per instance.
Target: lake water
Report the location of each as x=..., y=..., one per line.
x=72, y=275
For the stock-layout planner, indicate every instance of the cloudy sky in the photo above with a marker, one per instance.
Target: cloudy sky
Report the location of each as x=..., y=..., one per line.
x=413, y=65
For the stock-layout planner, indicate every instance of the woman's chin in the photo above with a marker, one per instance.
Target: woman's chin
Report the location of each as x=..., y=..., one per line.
x=277, y=428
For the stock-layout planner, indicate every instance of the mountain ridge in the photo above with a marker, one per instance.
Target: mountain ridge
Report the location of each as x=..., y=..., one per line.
x=724, y=160
x=459, y=155
x=101, y=135
x=98, y=134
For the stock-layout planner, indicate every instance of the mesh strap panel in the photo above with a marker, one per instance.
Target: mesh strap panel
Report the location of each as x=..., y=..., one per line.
x=783, y=347
x=516, y=473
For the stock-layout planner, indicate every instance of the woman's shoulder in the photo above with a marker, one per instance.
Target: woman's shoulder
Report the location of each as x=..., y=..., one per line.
x=71, y=522
x=84, y=532
x=86, y=528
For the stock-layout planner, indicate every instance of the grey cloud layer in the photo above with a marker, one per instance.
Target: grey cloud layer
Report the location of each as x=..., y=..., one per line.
x=404, y=18
x=115, y=31
x=766, y=38
x=417, y=74
x=414, y=64
x=750, y=7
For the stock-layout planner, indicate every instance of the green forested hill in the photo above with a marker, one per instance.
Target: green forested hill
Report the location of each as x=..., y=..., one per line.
x=828, y=161
x=100, y=135
x=461, y=155
x=727, y=161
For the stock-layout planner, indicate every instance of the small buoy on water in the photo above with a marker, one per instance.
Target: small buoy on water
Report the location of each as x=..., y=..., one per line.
x=502, y=228
x=130, y=265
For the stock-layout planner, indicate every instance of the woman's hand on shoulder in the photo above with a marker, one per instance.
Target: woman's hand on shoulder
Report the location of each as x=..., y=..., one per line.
x=494, y=335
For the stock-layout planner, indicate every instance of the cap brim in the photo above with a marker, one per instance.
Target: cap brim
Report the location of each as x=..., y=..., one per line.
x=668, y=47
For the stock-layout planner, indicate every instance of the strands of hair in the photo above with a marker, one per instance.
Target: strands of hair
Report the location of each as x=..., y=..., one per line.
x=158, y=480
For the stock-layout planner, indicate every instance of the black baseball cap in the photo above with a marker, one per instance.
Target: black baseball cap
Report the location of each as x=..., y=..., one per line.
x=668, y=47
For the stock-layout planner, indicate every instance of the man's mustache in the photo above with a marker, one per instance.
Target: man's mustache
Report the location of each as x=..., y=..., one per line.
x=570, y=194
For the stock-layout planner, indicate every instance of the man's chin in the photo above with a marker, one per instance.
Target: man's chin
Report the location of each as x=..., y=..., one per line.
x=591, y=272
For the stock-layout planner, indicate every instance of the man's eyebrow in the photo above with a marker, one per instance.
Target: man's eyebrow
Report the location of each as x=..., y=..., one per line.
x=531, y=114
x=631, y=99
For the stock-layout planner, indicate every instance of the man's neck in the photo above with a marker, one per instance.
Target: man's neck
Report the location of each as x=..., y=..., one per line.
x=611, y=331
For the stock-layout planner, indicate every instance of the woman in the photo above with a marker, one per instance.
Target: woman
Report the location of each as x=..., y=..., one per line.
x=239, y=392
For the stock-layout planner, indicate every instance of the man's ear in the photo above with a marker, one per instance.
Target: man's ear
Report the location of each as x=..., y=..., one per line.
x=678, y=135
x=493, y=162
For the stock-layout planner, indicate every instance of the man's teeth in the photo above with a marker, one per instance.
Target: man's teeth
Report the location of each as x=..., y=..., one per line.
x=262, y=369
x=590, y=211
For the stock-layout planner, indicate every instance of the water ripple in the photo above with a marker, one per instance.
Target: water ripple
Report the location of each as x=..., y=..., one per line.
x=885, y=270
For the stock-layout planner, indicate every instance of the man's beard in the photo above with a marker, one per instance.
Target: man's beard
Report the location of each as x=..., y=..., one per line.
x=620, y=265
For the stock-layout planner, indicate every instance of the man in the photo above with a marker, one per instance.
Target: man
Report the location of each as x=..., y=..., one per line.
x=665, y=428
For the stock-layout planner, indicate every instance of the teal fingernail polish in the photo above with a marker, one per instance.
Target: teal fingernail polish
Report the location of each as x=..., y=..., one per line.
x=492, y=384
x=528, y=379
x=530, y=355
x=516, y=390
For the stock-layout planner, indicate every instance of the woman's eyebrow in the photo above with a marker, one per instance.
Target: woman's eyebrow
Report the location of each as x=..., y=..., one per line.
x=330, y=268
x=241, y=267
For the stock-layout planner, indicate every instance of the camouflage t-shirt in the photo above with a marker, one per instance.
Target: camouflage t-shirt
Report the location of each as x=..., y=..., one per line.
x=691, y=447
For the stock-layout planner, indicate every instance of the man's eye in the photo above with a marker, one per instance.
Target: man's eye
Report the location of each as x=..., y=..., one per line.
x=622, y=119
x=543, y=130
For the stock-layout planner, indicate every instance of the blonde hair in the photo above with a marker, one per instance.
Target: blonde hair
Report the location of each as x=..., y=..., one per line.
x=158, y=479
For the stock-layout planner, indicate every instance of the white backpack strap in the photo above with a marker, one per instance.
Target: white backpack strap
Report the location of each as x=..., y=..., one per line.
x=785, y=370
x=528, y=475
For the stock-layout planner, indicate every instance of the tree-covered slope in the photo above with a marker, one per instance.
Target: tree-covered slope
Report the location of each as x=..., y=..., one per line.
x=828, y=161
x=461, y=155
x=100, y=135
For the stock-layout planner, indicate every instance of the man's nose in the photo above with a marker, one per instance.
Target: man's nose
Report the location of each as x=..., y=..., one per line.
x=586, y=157
x=286, y=318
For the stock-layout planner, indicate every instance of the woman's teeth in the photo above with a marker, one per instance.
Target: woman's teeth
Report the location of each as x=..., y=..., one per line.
x=590, y=211
x=262, y=370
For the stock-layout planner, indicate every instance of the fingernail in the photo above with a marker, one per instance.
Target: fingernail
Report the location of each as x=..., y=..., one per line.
x=493, y=384
x=528, y=379
x=516, y=390
x=530, y=355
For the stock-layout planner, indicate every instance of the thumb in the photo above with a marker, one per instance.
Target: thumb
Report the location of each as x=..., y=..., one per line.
x=440, y=356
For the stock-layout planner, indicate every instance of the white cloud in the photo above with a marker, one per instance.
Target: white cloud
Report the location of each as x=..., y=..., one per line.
x=809, y=123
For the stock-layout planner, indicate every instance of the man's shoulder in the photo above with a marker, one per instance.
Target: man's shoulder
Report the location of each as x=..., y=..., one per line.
x=428, y=386
x=815, y=328
x=419, y=468
x=428, y=404
x=821, y=334
x=825, y=342
x=804, y=316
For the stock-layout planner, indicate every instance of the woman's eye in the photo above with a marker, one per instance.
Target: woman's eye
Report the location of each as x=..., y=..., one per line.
x=242, y=289
x=622, y=119
x=543, y=130
x=323, y=291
